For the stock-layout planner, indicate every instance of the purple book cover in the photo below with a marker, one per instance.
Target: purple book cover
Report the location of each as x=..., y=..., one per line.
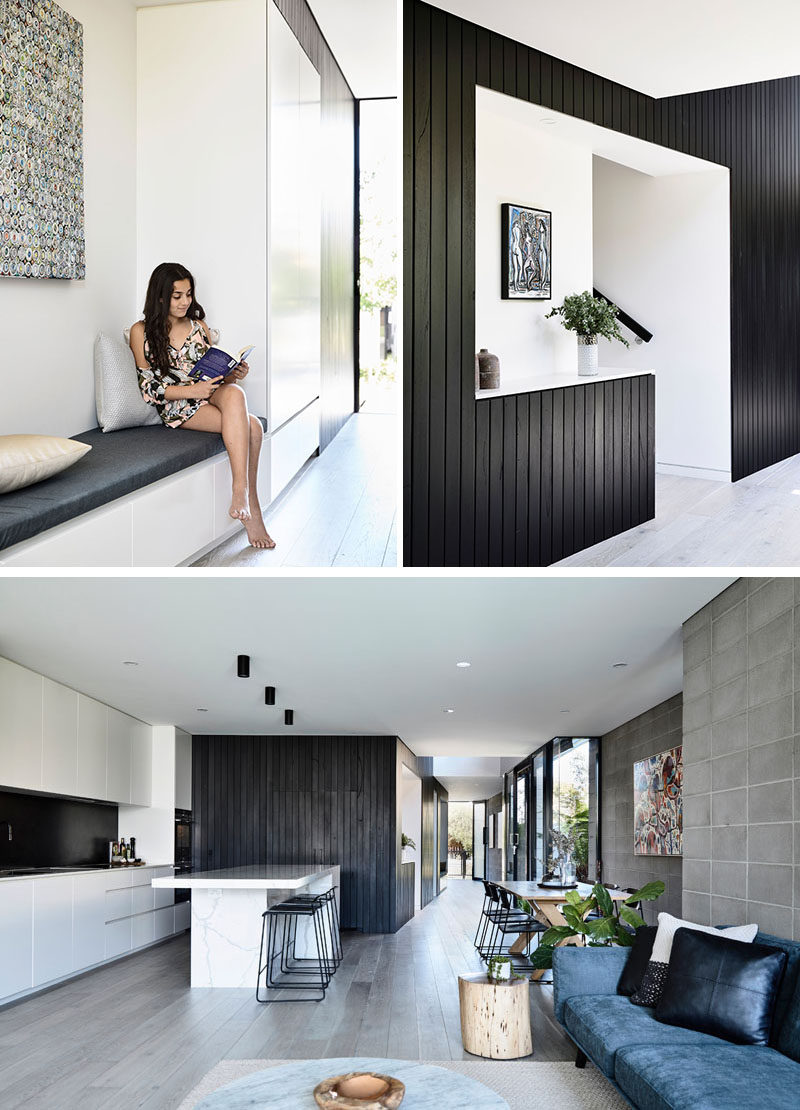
x=214, y=364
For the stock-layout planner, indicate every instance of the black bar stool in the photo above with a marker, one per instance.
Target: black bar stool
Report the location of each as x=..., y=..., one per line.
x=278, y=945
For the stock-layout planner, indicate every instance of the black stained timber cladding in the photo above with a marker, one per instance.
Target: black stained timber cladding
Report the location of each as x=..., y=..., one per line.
x=311, y=799
x=338, y=120
x=458, y=489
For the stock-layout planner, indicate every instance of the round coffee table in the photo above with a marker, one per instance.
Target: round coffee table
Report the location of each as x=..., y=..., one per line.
x=291, y=1086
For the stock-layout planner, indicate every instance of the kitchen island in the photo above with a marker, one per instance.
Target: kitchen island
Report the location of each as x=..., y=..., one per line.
x=227, y=908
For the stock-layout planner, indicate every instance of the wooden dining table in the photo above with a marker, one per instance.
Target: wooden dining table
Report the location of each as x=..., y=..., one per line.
x=545, y=903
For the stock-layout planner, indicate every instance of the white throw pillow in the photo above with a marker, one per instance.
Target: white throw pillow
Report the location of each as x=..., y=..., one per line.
x=655, y=976
x=120, y=403
x=26, y=459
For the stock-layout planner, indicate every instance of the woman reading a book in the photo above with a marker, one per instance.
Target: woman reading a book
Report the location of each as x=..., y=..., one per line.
x=167, y=344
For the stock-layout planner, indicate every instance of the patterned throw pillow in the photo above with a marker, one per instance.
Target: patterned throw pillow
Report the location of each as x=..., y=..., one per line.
x=656, y=975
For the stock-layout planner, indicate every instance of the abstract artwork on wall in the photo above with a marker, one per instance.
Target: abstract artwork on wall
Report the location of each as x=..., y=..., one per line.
x=41, y=141
x=658, y=805
x=526, y=249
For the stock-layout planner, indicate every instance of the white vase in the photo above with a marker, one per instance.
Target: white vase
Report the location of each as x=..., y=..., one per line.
x=587, y=356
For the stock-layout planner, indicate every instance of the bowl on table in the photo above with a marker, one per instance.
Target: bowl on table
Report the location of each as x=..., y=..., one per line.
x=359, y=1090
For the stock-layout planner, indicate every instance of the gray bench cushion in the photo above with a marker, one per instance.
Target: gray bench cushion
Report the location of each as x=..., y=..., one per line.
x=119, y=463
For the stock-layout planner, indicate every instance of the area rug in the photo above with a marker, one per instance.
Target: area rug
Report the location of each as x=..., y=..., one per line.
x=522, y=1083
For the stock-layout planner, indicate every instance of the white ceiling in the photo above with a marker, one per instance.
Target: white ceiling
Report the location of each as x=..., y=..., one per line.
x=369, y=655
x=363, y=37
x=637, y=154
x=660, y=49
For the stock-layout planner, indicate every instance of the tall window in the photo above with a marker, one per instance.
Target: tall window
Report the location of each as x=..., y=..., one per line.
x=571, y=796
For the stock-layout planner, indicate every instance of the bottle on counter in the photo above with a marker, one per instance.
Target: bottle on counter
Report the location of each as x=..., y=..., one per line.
x=123, y=849
x=132, y=849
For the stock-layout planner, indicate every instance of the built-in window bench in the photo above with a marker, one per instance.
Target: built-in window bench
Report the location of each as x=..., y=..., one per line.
x=562, y=463
x=150, y=496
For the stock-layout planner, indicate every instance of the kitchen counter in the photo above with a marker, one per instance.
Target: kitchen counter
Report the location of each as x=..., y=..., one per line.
x=61, y=872
x=258, y=877
x=533, y=383
x=227, y=910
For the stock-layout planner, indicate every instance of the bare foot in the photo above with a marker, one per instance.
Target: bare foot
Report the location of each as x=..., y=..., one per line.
x=240, y=509
x=257, y=533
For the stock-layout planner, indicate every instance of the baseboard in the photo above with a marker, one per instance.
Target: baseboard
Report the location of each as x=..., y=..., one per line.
x=707, y=472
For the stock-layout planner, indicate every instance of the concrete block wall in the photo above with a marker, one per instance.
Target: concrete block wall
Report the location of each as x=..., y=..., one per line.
x=657, y=730
x=741, y=755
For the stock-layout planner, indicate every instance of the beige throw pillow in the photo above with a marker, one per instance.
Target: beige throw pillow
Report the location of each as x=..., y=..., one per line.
x=26, y=459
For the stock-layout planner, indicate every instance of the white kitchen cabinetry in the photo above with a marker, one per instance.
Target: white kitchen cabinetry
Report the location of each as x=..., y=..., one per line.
x=59, y=739
x=16, y=937
x=92, y=748
x=183, y=770
x=52, y=929
x=141, y=763
x=118, y=778
x=55, y=926
x=20, y=726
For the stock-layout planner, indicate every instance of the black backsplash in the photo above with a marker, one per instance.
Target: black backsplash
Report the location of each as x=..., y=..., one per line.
x=55, y=832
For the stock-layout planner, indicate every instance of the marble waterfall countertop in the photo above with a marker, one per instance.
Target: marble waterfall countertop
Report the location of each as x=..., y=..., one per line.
x=268, y=876
x=515, y=382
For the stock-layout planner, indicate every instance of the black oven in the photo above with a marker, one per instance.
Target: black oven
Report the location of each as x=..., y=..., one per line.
x=183, y=849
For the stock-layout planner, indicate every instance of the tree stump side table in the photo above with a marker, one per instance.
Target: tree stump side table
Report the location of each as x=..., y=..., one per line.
x=495, y=1017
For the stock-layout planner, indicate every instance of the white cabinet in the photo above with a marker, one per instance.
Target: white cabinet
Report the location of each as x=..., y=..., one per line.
x=163, y=923
x=52, y=929
x=92, y=747
x=59, y=738
x=175, y=518
x=88, y=920
x=118, y=938
x=118, y=777
x=142, y=929
x=183, y=916
x=20, y=726
x=183, y=770
x=16, y=937
x=141, y=763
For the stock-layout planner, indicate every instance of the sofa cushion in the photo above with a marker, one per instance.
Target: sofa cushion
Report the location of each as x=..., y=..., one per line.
x=722, y=986
x=118, y=399
x=706, y=1077
x=632, y=974
x=118, y=463
x=602, y=1024
x=786, y=1025
x=26, y=460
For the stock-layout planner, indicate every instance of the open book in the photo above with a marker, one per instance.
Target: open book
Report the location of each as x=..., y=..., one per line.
x=217, y=364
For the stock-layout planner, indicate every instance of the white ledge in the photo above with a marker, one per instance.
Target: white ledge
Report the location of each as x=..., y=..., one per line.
x=259, y=877
x=535, y=383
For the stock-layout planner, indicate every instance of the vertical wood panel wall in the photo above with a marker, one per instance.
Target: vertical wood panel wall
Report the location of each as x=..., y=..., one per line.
x=318, y=799
x=338, y=221
x=752, y=129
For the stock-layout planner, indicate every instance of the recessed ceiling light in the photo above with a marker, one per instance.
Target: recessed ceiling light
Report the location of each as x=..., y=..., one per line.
x=448, y=711
x=463, y=664
x=615, y=665
x=129, y=663
x=547, y=121
x=201, y=711
x=563, y=711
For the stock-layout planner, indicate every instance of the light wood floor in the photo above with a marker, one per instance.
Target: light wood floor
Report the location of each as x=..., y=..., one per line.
x=134, y=1034
x=699, y=523
x=340, y=512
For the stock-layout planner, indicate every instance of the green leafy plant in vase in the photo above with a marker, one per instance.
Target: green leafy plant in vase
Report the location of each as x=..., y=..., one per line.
x=406, y=841
x=607, y=928
x=590, y=318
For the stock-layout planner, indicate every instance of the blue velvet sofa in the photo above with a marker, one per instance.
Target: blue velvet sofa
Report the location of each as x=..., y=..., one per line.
x=664, y=1067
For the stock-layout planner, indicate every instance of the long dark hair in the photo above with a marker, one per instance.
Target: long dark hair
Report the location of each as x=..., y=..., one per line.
x=156, y=310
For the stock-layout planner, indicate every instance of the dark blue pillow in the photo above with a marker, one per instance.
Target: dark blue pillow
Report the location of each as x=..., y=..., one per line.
x=721, y=986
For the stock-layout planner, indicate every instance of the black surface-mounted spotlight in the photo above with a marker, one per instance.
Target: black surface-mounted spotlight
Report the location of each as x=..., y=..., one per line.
x=269, y=695
x=243, y=666
x=288, y=716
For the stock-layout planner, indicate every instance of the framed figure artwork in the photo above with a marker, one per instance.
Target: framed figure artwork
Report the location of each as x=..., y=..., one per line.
x=526, y=253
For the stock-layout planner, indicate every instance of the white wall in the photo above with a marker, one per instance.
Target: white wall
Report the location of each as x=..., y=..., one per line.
x=202, y=164
x=411, y=825
x=524, y=165
x=48, y=327
x=154, y=825
x=661, y=252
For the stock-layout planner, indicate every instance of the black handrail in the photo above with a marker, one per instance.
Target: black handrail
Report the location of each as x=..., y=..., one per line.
x=628, y=321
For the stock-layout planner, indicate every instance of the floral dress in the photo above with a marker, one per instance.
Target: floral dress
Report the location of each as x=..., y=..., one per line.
x=154, y=380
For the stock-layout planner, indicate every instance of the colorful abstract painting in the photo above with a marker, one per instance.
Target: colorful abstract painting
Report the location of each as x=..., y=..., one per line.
x=526, y=253
x=658, y=805
x=41, y=141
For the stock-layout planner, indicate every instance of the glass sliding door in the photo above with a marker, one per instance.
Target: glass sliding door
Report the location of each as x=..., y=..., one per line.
x=479, y=840
x=538, y=818
x=570, y=793
x=521, y=823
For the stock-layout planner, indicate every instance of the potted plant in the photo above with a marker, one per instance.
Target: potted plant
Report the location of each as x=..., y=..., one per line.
x=590, y=317
x=498, y=969
x=606, y=926
x=408, y=846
